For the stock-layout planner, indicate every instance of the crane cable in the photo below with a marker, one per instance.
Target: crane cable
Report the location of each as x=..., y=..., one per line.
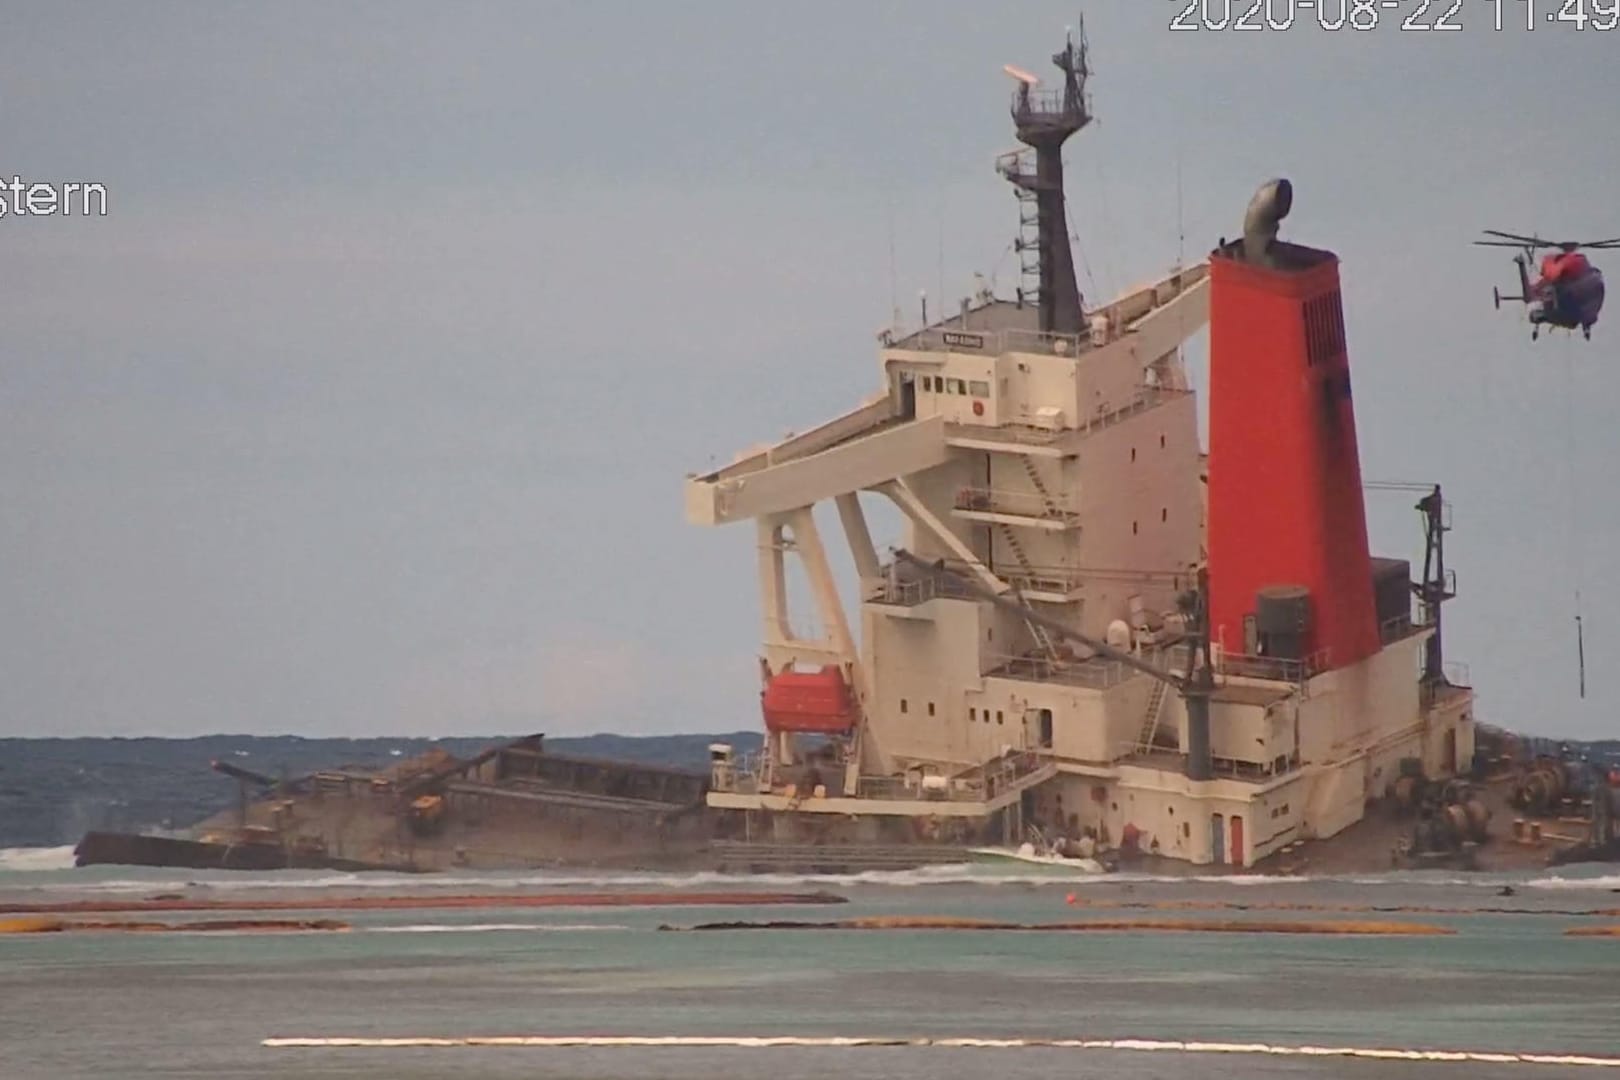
x=1574, y=514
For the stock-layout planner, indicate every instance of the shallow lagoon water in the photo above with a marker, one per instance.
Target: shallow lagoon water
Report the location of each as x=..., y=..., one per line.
x=202, y=1005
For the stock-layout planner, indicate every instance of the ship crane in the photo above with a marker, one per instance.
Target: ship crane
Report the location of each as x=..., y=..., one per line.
x=1196, y=687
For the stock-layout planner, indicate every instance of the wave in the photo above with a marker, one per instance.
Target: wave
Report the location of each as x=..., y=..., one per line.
x=1610, y=881
x=1132, y=1045
x=149, y=879
x=29, y=859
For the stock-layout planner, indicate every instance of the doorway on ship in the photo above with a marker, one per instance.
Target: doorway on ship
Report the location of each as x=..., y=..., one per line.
x=908, y=396
x=1217, y=838
x=1044, y=729
x=1448, y=752
x=1237, y=841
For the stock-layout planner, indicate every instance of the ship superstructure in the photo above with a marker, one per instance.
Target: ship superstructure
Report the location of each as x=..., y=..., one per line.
x=1048, y=455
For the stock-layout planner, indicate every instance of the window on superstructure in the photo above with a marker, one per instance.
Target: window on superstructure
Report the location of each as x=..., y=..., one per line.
x=1164, y=514
x=1133, y=453
x=998, y=716
x=973, y=714
x=979, y=389
x=1161, y=442
x=902, y=704
x=958, y=387
x=930, y=708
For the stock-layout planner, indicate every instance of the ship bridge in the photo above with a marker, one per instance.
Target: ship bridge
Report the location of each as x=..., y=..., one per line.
x=998, y=442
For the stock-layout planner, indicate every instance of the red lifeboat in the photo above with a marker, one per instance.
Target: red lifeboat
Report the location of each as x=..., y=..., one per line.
x=818, y=702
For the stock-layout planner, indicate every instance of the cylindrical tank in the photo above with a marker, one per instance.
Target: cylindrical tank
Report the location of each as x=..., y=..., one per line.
x=1119, y=634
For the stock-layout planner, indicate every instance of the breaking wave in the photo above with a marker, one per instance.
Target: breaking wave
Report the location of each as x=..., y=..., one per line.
x=26, y=859
x=127, y=879
x=1129, y=1045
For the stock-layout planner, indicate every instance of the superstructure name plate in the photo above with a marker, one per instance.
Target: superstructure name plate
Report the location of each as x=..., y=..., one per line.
x=967, y=341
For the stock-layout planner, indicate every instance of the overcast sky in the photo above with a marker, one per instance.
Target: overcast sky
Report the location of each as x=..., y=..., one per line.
x=366, y=408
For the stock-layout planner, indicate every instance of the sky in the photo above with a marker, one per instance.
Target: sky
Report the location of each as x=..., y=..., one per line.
x=367, y=406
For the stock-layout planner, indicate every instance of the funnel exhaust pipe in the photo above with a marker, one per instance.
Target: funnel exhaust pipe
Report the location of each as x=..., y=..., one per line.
x=1266, y=211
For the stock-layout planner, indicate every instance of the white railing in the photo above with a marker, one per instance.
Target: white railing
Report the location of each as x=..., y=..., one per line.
x=1029, y=504
x=1244, y=665
x=912, y=593
x=1094, y=674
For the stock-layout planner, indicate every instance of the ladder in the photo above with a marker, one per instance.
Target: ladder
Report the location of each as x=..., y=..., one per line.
x=1047, y=502
x=1036, y=630
x=1150, y=722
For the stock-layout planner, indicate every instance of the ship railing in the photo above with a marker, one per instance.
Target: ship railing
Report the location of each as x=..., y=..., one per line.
x=957, y=338
x=1173, y=759
x=1144, y=399
x=979, y=784
x=1027, y=103
x=1401, y=626
x=902, y=593
x=1274, y=668
x=1028, y=504
x=1037, y=580
x=1093, y=673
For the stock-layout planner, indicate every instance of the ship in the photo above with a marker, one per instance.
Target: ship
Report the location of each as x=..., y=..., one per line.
x=1094, y=634
x=1094, y=643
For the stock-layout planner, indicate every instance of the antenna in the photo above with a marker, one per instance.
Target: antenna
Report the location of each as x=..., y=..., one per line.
x=894, y=282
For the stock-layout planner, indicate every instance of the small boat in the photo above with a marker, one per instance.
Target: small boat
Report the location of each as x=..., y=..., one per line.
x=1027, y=853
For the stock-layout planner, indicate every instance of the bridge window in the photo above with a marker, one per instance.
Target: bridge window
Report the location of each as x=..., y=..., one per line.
x=930, y=708
x=998, y=716
x=957, y=386
x=902, y=704
x=973, y=714
x=979, y=389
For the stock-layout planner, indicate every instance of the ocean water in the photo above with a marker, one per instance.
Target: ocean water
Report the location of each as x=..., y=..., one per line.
x=1125, y=1004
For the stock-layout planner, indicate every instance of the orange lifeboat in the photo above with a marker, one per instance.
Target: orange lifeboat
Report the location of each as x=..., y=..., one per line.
x=818, y=702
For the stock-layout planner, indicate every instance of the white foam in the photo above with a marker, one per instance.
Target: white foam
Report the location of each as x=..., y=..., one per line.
x=36, y=858
x=771, y=1042
x=1611, y=881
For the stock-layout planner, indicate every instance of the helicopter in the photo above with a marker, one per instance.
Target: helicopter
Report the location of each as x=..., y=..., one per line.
x=1568, y=291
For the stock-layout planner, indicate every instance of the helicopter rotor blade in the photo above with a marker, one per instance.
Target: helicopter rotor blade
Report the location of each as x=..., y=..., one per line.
x=1520, y=240
x=1602, y=245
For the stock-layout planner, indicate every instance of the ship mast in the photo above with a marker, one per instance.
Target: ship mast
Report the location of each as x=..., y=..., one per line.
x=1044, y=120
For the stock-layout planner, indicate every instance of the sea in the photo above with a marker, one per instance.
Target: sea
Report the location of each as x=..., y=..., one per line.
x=591, y=993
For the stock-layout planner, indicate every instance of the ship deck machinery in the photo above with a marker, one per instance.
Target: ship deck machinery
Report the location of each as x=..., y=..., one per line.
x=1050, y=455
